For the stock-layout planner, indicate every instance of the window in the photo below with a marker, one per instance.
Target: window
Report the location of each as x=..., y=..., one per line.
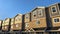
x=2, y=27
x=40, y=12
x=11, y=26
x=27, y=15
x=11, y=22
x=27, y=25
x=53, y=9
x=37, y=22
x=18, y=18
x=56, y=20
x=5, y=27
x=34, y=14
x=16, y=25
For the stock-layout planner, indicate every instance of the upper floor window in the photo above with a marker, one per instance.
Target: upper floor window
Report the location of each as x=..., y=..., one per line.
x=53, y=9
x=34, y=14
x=27, y=16
x=40, y=12
x=18, y=18
x=56, y=20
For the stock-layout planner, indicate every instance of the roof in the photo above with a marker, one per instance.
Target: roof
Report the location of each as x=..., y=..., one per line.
x=53, y=4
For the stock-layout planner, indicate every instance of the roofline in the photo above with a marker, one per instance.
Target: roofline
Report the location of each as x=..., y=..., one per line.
x=17, y=14
x=7, y=18
x=35, y=8
x=53, y=4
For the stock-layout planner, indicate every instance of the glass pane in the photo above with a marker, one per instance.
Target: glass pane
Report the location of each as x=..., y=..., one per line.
x=53, y=9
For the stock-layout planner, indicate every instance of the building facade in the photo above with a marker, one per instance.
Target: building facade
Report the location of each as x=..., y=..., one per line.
x=41, y=20
x=54, y=18
x=6, y=24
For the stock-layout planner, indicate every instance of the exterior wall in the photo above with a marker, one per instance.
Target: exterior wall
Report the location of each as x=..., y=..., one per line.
x=27, y=19
x=55, y=24
x=36, y=19
x=42, y=24
x=5, y=25
x=38, y=15
x=18, y=22
x=54, y=15
x=12, y=24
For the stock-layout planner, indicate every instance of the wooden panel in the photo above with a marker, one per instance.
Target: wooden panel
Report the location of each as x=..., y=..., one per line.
x=41, y=12
x=18, y=19
x=34, y=15
x=6, y=28
x=12, y=21
x=52, y=14
x=27, y=17
x=56, y=24
x=6, y=21
x=42, y=23
x=12, y=27
x=17, y=26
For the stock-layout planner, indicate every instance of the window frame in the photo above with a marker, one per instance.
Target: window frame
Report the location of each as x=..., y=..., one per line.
x=56, y=20
x=40, y=12
x=52, y=9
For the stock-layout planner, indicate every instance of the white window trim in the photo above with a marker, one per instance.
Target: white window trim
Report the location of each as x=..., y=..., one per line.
x=56, y=22
x=41, y=12
x=55, y=9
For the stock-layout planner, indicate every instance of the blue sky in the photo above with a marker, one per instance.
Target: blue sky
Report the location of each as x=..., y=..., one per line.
x=9, y=8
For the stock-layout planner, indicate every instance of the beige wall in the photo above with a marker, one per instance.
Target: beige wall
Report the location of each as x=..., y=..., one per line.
x=42, y=24
x=18, y=22
x=54, y=14
x=18, y=19
x=5, y=24
x=27, y=17
x=55, y=24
